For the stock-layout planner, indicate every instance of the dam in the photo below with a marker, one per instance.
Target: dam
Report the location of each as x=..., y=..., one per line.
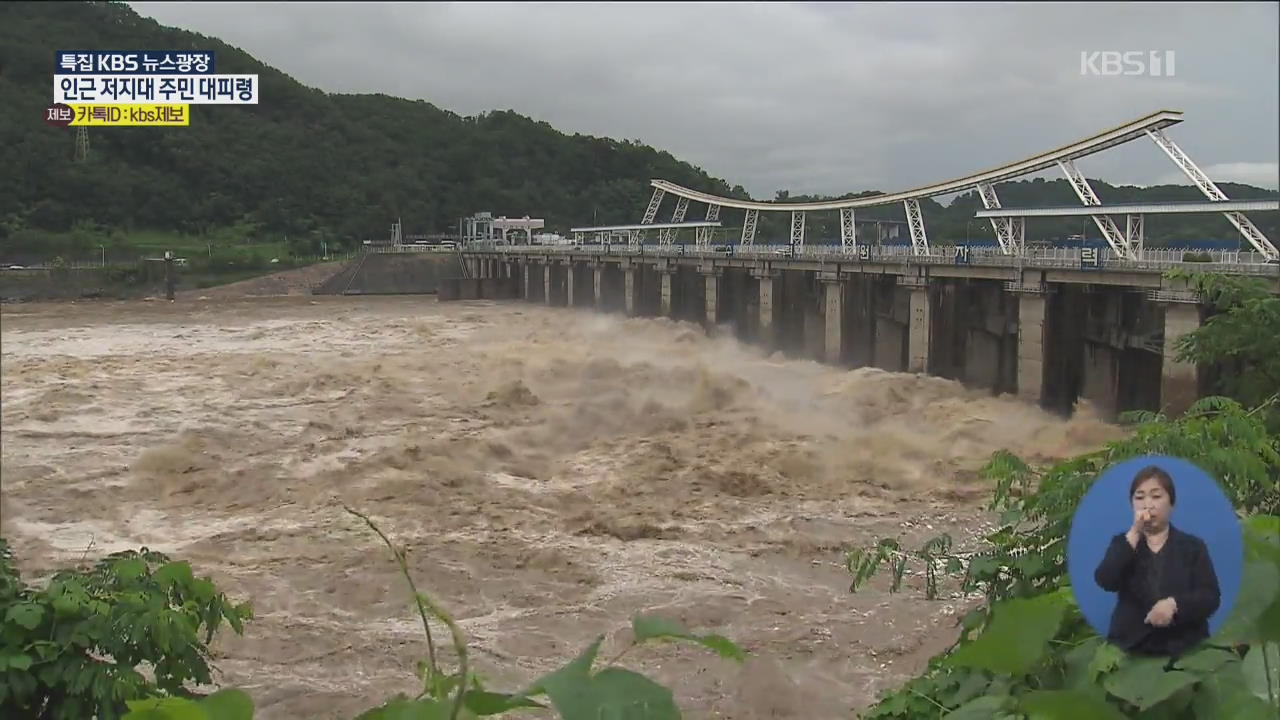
x=1047, y=328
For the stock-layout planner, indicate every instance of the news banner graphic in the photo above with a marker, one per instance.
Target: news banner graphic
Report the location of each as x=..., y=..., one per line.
x=141, y=87
x=118, y=115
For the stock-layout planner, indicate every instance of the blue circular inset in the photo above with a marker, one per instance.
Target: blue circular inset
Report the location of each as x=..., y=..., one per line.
x=1201, y=509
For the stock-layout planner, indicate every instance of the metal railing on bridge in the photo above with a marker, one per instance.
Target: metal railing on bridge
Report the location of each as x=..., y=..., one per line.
x=1103, y=259
x=393, y=249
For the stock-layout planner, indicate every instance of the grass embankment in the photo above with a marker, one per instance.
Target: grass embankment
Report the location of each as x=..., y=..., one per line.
x=73, y=262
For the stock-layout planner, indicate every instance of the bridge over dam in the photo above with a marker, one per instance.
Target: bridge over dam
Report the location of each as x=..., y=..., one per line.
x=1049, y=325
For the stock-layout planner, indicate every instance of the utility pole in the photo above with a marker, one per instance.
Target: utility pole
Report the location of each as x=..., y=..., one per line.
x=168, y=275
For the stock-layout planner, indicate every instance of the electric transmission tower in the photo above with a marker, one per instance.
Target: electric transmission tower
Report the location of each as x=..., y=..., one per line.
x=82, y=143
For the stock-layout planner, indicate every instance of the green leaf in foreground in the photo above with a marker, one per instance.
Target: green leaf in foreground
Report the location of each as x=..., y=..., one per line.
x=1259, y=592
x=1105, y=659
x=17, y=662
x=1066, y=705
x=1017, y=638
x=166, y=714
x=228, y=704
x=983, y=708
x=1145, y=682
x=405, y=709
x=1207, y=660
x=973, y=685
x=28, y=615
x=175, y=572
x=166, y=708
x=130, y=569
x=611, y=694
x=1225, y=694
x=1255, y=670
x=483, y=702
x=652, y=627
x=577, y=669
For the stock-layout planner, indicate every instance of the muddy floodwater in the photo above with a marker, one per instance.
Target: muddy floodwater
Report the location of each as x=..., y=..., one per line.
x=551, y=472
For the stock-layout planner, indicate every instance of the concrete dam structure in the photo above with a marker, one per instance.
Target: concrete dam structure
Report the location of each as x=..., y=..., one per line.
x=379, y=273
x=1051, y=335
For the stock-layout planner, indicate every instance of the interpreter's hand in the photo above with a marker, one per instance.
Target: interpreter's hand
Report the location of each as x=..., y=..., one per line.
x=1140, y=518
x=1162, y=612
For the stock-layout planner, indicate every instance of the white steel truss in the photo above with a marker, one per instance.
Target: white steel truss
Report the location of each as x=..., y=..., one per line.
x=1213, y=192
x=848, y=232
x=667, y=236
x=652, y=211
x=1133, y=232
x=919, y=241
x=749, y=227
x=703, y=236
x=1116, y=239
x=1011, y=232
x=682, y=207
x=1088, y=146
x=797, y=229
x=637, y=236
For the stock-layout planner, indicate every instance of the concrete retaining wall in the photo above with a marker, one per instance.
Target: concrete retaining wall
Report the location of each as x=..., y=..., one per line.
x=393, y=274
x=40, y=285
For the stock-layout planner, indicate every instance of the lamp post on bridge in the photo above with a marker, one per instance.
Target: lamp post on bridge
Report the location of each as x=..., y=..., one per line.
x=968, y=226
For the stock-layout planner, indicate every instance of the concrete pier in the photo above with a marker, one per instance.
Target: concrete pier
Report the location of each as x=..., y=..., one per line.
x=665, y=279
x=1179, y=382
x=629, y=291
x=1031, y=313
x=918, y=341
x=711, y=282
x=1051, y=336
x=765, y=332
x=833, y=320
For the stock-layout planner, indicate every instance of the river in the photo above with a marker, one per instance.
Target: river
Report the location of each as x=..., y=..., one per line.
x=551, y=472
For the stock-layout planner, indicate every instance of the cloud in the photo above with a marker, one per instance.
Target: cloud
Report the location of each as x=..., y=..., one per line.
x=814, y=98
x=1264, y=175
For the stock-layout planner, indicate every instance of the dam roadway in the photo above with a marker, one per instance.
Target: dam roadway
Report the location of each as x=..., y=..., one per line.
x=1050, y=326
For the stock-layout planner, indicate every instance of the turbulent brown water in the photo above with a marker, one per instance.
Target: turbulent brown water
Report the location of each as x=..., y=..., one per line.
x=551, y=472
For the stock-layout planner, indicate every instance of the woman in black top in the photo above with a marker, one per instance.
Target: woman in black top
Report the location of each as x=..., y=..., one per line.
x=1164, y=578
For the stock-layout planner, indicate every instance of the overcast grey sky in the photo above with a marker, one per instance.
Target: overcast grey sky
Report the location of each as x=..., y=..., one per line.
x=814, y=98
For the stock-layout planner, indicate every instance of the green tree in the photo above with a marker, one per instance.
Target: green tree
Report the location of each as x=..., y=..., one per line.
x=1241, y=336
x=71, y=649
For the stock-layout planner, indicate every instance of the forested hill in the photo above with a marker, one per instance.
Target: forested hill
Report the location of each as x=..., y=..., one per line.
x=307, y=164
x=300, y=159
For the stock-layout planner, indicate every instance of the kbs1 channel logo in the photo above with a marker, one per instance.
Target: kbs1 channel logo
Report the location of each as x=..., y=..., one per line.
x=143, y=88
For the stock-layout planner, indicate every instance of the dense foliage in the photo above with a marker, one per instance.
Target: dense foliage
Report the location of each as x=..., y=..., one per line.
x=1241, y=336
x=1027, y=650
x=72, y=649
x=304, y=164
x=1028, y=647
